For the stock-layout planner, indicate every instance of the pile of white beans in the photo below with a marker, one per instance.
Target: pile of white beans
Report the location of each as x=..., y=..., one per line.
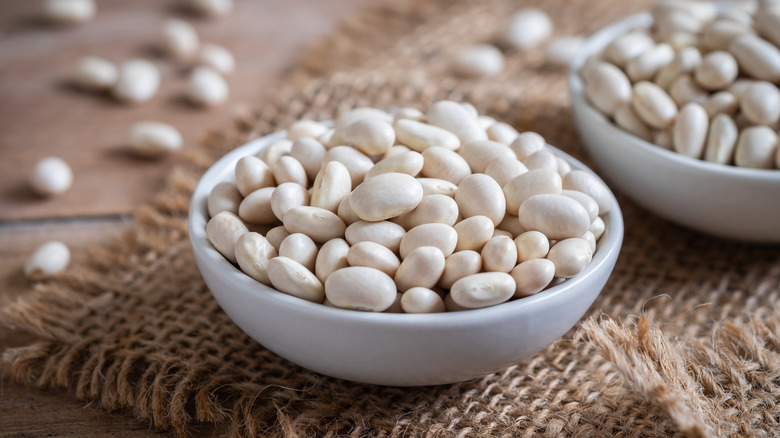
x=702, y=81
x=408, y=212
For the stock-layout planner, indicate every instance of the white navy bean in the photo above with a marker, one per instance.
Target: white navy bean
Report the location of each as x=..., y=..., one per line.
x=94, y=74
x=301, y=248
x=256, y=207
x=483, y=290
x=756, y=148
x=409, y=162
x=206, y=87
x=373, y=255
x=528, y=28
x=421, y=268
x=216, y=57
x=533, y=182
x=453, y=117
x=384, y=233
x=51, y=176
x=223, y=230
x=531, y=245
x=480, y=60
x=760, y=103
x=532, y=276
x=319, y=224
x=332, y=256
x=721, y=140
x=385, y=196
x=48, y=260
x=431, y=209
x=606, y=86
x=556, y=216
x=361, y=288
x=479, y=194
x=441, y=236
x=570, y=257
x=473, y=233
x=690, y=130
x=224, y=197
x=292, y=278
x=253, y=252
x=138, y=81
x=310, y=153
x=499, y=254
x=421, y=300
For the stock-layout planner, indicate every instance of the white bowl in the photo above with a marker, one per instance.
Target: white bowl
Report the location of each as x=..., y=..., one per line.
x=394, y=349
x=726, y=201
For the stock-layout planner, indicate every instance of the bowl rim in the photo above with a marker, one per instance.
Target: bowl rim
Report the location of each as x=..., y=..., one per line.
x=608, y=248
x=597, y=42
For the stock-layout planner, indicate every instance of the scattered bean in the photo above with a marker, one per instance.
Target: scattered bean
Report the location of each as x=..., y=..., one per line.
x=153, y=139
x=94, y=74
x=207, y=87
x=49, y=260
x=138, y=81
x=51, y=176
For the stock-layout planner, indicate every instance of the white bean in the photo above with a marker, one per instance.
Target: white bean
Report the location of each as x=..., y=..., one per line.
x=251, y=174
x=224, y=197
x=542, y=159
x=223, y=230
x=179, y=39
x=504, y=171
x=69, y=11
x=532, y=276
x=385, y=196
x=373, y=255
x=332, y=185
x=528, y=143
x=421, y=300
x=361, y=288
x=301, y=248
x=719, y=34
x=511, y=225
x=597, y=227
x=756, y=57
x=276, y=235
x=207, y=87
x=690, y=130
x=685, y=61
x=94, y=74
x=51, y=176
x=626, y=118
x=287, y=196
x=292, y=278
x=442, y=163
x=421, y=268
x=606, y=86
x=717, y=70
x=499, y=254
x=645, y=66
x=216, y=57
x=760, y=103
x=153, y=139
x=441, y=236
x=332, y=256
x=434, y=186
x=556, y=216
x=532, y=245
x=479, y=194
x=459, y=265
x=370, y=136
x=481, y=60
x=253, y=252
x=431, y=209
x=361, y=113
x=627, y=47
x=528, y=28
x=455, y=118
x=319, y=224
x=138, y=81
x=590, y=185
x=49, y=260
x=653, y=105
x=721, y=140
x=473, y=233
x=570, y=256
x=722, y=102
x=533, y=182
x=409, y=162
x=356, y=162
x=420, y=136
x=583, y=198
x=288, y=169
x=756, y=148
x=483, y=290
x=684, y=90
x=345, y=212
x=275, y=150
x=384, y=233
x=256, y=207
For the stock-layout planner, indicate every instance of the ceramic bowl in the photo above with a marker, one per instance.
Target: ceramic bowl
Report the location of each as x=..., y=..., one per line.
x=394, y=349
x=726, y=201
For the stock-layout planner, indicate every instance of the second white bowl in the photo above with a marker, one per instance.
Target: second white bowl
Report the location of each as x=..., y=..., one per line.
x=725, y=201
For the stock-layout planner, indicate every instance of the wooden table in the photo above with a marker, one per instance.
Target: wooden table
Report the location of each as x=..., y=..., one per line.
x=41, y=115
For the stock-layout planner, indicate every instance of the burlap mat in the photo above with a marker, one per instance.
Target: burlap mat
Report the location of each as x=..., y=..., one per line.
x=684, y=339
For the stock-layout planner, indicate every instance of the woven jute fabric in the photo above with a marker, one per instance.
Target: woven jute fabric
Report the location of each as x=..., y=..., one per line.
x=684, y=340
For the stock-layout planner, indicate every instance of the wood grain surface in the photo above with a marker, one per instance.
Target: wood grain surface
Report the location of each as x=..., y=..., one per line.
x=41, y=114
